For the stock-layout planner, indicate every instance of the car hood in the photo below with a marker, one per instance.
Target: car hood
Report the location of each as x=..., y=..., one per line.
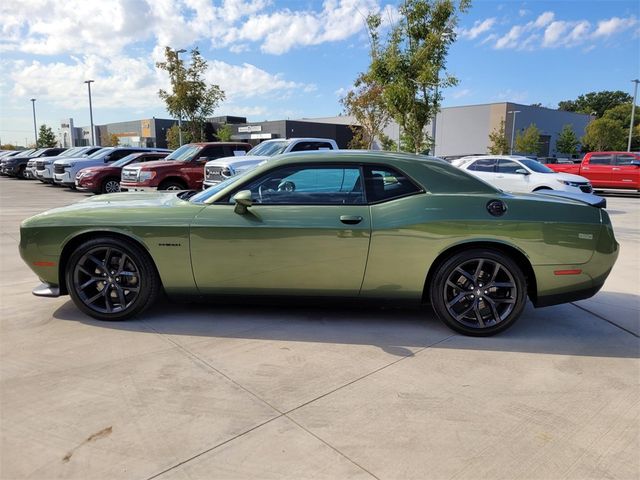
x=157, y=164
x=74, y=159
x=250, y=159
x=569, y=177
x=116, y=209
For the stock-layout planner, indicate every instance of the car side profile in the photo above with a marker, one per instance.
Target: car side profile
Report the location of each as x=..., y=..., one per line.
x=514, y=173
x=368, y=225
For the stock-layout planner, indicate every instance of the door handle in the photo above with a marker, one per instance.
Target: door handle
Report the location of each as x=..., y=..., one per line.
x=350, y=219
x=615, y=169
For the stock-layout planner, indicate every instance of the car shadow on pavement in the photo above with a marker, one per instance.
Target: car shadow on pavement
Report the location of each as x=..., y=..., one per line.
x=562, y=330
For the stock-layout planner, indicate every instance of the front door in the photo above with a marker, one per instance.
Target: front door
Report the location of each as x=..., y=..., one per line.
x=307, y=233
x=625, y=174
x=599, y=169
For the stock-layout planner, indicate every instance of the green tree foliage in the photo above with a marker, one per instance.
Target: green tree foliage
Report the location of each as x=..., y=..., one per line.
x=567, y=141
x=410, y=65
x=596, y=102
x=366, y=104
x=111, y=140
x=46, y=137
x=604, y=134
x=224, y=133
x=622, y=115
x=173, y=137
x=387, y=143
x=528, y=141
x=498, y=139
x=190, y=96
x=8, y=146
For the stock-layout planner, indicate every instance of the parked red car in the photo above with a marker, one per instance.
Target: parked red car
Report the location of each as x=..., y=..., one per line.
x=606, y=169
x=183, y=169
x=106, y=179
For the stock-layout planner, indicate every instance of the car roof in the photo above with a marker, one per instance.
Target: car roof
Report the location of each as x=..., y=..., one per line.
x=202, y=144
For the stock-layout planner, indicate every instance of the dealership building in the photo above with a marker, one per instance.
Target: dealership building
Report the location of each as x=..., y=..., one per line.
x=465, y=130
x=458, y=130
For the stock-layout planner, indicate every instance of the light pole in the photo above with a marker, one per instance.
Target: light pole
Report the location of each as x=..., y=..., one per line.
x=633, y=112
x=178, y=52
x=35, y=129
x=93, y=140
x=513, y=128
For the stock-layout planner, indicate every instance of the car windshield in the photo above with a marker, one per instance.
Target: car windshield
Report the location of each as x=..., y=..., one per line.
x=72, y=152
x=268, y=149
x=184, y=153
x=26, y=153
x=209, y=192
x=536, y=166
x=125, y=160
x=100, y=153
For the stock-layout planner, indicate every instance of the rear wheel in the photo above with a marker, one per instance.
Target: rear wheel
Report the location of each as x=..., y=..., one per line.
x=110, y=185
x=111, y=279
x=479, y=292
x=22, y=172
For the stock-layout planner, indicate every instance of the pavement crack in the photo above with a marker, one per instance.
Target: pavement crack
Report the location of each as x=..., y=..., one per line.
x=605, y=319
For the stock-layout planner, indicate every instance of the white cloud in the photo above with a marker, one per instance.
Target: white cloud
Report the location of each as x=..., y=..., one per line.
x=479, y=27
x=614, y=25
x=465, y=92
x=547, y=32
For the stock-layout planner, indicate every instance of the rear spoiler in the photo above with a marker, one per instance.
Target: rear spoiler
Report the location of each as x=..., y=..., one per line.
x=588, y=198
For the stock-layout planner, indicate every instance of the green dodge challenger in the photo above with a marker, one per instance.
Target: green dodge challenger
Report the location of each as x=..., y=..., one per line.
x=343, y=224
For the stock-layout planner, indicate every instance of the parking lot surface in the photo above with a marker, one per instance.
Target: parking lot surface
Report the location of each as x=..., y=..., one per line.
x=237, y=391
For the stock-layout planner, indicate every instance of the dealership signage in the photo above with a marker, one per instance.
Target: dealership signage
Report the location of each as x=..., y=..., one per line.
x=250, y=128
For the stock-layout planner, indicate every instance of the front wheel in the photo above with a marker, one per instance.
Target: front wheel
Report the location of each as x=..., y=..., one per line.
x=110, y=185
x=478, y=292
x=172, y=185
x=111, y=279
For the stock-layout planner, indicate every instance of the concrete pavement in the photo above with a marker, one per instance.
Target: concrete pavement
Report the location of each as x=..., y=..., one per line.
x=236, y=391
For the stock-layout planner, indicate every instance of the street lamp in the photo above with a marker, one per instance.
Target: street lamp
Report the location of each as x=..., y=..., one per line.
x=93, y=140
x=513, y=128
x=633, y=112
x=178, y=52
x=35, y=129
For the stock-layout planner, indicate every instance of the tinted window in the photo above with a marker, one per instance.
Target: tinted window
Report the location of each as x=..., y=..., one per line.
x=118, y=154
x=306, y=146
x=483, y=165
x=508, y=166
x=184, y=153
x=309, y=185
x=601, y=159
x=269, y=149
x=213, y=152
x=386, y=184
x=626, y=159
x=535, y=166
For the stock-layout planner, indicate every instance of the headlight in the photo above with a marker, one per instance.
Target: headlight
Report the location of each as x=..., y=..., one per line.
x=82, y=174
x=145, y=175
x=227, y=172
x=572, y=184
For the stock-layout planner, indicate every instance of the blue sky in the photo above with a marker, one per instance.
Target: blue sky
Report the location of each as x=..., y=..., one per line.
x=290, y=59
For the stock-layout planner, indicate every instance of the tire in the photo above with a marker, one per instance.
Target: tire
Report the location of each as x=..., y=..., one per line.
x=172, y=185
x=101, y=292
x=21, y=174
x=110, y=185
x=479, y=292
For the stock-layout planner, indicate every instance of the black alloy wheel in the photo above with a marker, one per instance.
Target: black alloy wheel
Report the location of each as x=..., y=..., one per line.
x=111, y=279
x=171, y=185
x=479, y=292
x=110, y=185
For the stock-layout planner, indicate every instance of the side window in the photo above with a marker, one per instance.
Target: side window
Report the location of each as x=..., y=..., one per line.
x=213, y=152
x=626, y=159
x=118, y=154
x=601, y=160
x=507, y=166
x=385, y=183
x=483, y=165
x=302, y=146
x=309, y=185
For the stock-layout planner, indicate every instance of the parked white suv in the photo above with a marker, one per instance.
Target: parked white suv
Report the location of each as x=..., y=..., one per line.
x=215, y=171
x=43, y=167
x=513, y=173
x=64, y=170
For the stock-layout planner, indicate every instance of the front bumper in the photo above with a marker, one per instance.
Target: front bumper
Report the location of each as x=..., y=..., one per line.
x=132, y=187
x=65, y=179
x=46, y=290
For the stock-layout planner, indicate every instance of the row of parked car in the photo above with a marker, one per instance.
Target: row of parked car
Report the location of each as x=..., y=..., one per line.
x=202, y=165
x=112, y=169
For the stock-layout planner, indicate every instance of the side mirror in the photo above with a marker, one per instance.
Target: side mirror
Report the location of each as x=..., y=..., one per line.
x=242, y=200
x=107, y=158
x=522, y=171
x=635, y=163
x=204, y=159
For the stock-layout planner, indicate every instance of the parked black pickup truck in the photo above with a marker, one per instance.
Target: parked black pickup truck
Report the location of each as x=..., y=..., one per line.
x=16, y=166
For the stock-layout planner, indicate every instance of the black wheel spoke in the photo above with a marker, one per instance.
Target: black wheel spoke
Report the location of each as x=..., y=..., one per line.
x=89, y=282
x=456, y=299
x=465, y=275
x=502, y=285
x=494, y=310
x=476, y=311
x=121, y=297
x=462, y=314
x=504, y=300
x=478, y=271
x=495, y=273
x=99, y=263
x=94, y=298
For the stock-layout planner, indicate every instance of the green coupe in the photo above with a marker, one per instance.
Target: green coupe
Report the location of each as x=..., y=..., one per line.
x=345, y=224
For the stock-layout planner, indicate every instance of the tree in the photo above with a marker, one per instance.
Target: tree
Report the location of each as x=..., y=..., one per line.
x=111, y=140
x=46, y=137
x=498, y=139
x=224, y=133
x=604, y=134
x=410, y=66
x=366, y=104
x=190, y=96
x=173, y=137
x=529, y=140
x=595, y=102
x=567, y=141
x=387, y=143
x=622, y=115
